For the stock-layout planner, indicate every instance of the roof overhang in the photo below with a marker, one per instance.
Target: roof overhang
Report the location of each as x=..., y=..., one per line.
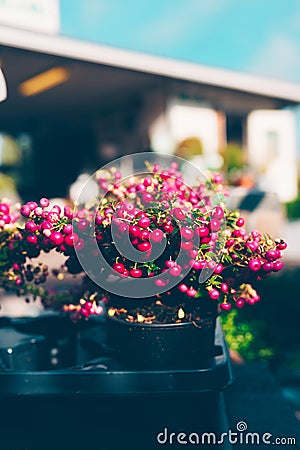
x=149, y=64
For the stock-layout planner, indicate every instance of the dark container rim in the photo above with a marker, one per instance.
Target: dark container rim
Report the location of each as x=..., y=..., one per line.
x=160, y=325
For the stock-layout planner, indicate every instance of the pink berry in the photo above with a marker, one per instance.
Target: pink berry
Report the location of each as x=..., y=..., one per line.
x=144, y=246
x=175, y=271
x=224, y=287
x=32, y=239
x=4, y=208
x=277, y=265
x=183, y=287
x=214, y=294
x=267, y=266
x=187, y=233
x=147, y=182
x=225, y=306
x=215, y=225
x=25, y=210
x=240, y=222
x=71, y=239
x=144, y=235
x=282, y=245
x=119, y=267
x=157, y=235
x=271, y=255
x=134, y=230
x=203, y=231
x=218, y=213
x=31, y=226
x=254, y=264
x=135, y=273
x=191, y=292
x=240, y=303
x=186, y=245
x=219, y=268
x=178, y=214
x=44, y=202
x=56, y=238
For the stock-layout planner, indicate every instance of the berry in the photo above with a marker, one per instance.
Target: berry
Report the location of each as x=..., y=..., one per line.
x=68, y=229
x=203, y=231
x=156, y=236
x=144, y=235
x=219, y=268
x=56, y=238
x=144, y=246
x=119, y=267
x=183, y=287
x=168, y=228
x=134, y=231
x=178, y=214
x=25, y=211
x=144, y=222
x=187, y=233
x=271, y=255
x=135, y=273
x=282, y=245
x=44, y=202
x=240, y=222
x=254, y=264
x=71, y=239
x=218, y=213
x=175, y=271
x=214, y=294
x=240, y=303
x=267, y=266
x=186, y=245
x=225, y=306
x=32, y=239
x=277, y=265
x=215, y=225
x=224, y=287
x=191, y=292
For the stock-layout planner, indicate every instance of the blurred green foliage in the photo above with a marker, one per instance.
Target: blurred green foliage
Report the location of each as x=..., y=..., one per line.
x=293, y=209
x=271, y=328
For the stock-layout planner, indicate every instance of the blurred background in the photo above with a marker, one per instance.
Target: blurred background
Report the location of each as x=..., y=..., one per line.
x=215, y=82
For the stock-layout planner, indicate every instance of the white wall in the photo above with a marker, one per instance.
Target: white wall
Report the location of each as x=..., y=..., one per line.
x=271, y=143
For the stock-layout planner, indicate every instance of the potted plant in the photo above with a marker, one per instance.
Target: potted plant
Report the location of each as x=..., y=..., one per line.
x=164, y=257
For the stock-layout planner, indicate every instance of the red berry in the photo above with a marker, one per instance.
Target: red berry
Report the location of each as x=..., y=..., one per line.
x=191, y=292
x=267, y=266
x=147, y=182
x=240, y=222
x=44, y=202
x=168, y=228
x=203, y=231
x=144, y=235
x=224, y=287
x=178, y=214
x=214, y=294
x=240, y=303
x=170, y=263
x=119, y=267
x=254, y=264
x=186, y=245
x=225, y=306
x=282, y=245
x=136, y=273
x=71, y=239
x=144, y=222
x=187, y=233
x=183, y=287
x=25, y=210
x=144, y=246
x=4, y=208
x=134, y=231
x=56, y=238
x=31, y=226
x=215, y=225
x=218, y=213
x=68, y=228
x=32, y=239
x=277, y=265
x=156, y=235
x=219, y=268
x=175, y=271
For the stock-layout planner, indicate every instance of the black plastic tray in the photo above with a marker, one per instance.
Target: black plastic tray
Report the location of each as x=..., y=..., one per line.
x=103, y=376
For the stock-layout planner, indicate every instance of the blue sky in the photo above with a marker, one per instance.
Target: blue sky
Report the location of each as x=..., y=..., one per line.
x=254, y=36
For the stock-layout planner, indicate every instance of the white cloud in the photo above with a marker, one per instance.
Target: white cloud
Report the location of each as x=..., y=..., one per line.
x=175, y=23
x=279, y=57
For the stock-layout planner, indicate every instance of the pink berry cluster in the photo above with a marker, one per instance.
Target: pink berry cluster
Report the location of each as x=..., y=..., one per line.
x=154, y=210
x=160, y=207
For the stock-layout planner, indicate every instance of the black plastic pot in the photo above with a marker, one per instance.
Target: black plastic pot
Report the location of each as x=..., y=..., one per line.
x=162, y=346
